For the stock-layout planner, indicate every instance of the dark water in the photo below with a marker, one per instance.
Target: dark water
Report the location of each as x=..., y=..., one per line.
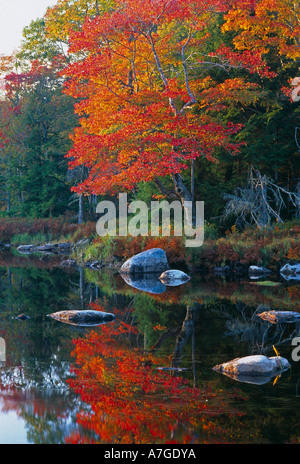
x=193, y=327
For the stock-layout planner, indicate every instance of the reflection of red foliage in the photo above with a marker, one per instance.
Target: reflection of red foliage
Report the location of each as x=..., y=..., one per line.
x=132, y=401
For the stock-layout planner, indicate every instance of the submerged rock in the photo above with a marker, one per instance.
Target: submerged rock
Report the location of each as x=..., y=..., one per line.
x=149, y=261
x=5, y=246
x=280, y=316
x=83, y=317
x=222, y=270
x=22, y=317
x=174, y=277
x=68, y=263
x=256, y=365
x=173, y=369
x=47, y=248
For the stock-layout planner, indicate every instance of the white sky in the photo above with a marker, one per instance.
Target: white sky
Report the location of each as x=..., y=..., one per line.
x=14, y=16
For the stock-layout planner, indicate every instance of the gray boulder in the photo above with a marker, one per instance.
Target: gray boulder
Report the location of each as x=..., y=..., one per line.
x=68, y=263
x=83, y=317
x=46, y=248
x=174, y=277
x=280, y=316
x=254, y=365
x=150, y=261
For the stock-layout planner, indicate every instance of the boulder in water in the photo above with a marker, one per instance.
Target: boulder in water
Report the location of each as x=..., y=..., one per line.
x=83, y=317
x=174, y=277
x=280, y=316
x=259, y=365
x=22, y=317
x=149, y=261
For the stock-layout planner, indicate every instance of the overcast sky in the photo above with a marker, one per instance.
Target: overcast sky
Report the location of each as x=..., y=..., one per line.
x=14, y=16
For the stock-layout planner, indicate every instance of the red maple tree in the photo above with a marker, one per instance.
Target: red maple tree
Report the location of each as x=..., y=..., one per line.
x=145, y=112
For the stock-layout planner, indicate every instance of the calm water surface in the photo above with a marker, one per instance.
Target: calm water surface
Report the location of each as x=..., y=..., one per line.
x=191, y=328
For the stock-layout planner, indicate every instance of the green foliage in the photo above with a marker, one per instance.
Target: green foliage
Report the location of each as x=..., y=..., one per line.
x=34, y=167
x=36, y=45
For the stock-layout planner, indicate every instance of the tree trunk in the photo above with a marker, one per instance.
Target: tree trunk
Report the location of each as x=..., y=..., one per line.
x=187, y=198
x=80, y=209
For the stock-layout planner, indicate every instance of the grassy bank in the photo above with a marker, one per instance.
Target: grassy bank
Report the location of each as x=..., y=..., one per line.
x=270, y=247
x=266, y=248
x=25, y=231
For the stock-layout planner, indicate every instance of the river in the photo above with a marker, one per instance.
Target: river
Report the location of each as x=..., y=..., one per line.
x=148, y=376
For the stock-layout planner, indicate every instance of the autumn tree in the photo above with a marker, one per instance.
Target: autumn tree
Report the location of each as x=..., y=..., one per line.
x=146, y=112
x=168, y=92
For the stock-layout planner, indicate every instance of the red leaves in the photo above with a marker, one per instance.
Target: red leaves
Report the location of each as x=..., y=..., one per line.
x=133, y=401
x=248, y=59
x=138, y=120
x=147, y=104
x=16, y=83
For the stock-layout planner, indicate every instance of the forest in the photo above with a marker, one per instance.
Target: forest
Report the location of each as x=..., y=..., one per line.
x=162, y=99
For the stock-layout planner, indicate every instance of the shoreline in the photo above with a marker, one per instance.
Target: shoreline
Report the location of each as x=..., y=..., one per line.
x=230, y=254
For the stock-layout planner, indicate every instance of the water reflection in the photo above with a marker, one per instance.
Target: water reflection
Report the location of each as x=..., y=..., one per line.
x=145, y=282
x=186, y=330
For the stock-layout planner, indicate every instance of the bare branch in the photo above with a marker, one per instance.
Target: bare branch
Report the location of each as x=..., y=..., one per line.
x=260, y=202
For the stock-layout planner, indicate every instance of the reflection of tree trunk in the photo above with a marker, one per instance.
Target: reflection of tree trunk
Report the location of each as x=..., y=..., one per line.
x=193, y=356
x=10, y=287
x=8, y=201
x=162, y=339
x=81, y=286
x=145, y=340
x=185, y=333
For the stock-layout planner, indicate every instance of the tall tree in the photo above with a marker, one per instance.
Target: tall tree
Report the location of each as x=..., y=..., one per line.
x=146, y=113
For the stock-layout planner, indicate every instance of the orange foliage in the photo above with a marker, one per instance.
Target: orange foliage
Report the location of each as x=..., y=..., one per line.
x=126, y=247
x=272, y=24
x=125, y=76
x=294, y=251
x=294, y=294
x=132, y=401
